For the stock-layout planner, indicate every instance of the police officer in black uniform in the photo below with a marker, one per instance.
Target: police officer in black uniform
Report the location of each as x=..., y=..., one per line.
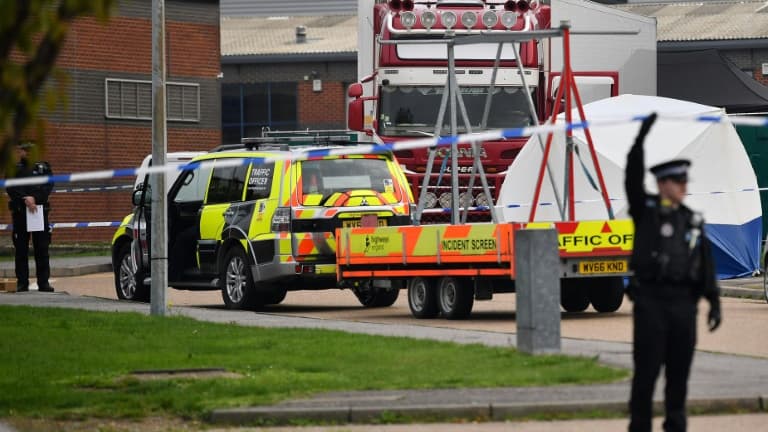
x=30, y=197
x=673, y=268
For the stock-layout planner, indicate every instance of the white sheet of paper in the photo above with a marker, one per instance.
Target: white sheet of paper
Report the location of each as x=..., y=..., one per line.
x=35, y=220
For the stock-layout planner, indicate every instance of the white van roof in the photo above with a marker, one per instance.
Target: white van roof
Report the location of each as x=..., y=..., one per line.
x=172, y=159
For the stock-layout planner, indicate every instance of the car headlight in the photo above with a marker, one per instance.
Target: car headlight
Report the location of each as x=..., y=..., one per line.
x=482, y=200
x=445, y=200
x=408, y=19
x=428, y=19
x=490, y=18
x=466, y=199
x=449, y=19
x=508, y=19
x=430, y=200
x=469, y=19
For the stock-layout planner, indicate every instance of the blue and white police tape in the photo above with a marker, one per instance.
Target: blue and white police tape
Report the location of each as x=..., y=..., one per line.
x=94, y=189
x=600, y=200
x=379, y=148
x=8, y=227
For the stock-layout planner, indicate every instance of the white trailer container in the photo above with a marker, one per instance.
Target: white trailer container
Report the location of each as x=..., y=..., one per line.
x=633, y=56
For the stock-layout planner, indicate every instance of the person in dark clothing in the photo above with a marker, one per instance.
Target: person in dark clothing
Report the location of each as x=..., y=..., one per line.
x=673, y=268
x=29, y=198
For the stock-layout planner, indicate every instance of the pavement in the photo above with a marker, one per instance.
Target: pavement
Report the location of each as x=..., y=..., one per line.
x=63, y=266
x=719, y=383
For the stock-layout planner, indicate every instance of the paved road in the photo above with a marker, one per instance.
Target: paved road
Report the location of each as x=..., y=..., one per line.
x=742, y=332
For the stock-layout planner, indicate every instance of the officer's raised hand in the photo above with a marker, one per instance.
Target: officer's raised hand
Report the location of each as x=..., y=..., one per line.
x=714, y=317
x=646, y=125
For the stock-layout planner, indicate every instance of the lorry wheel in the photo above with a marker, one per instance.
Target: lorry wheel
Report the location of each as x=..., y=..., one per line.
x=422, y=298
x=371, y=297
x=606, y=294
x=129, y=284
x=573, y=295
x=237, y=286
x=455, y=298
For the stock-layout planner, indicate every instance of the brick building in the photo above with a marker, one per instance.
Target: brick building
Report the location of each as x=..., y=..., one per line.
x=284, y=72
x=711, y=52
x=106, y=122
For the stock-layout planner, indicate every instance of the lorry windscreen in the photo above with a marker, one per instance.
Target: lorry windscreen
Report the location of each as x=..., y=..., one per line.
x=413, y=110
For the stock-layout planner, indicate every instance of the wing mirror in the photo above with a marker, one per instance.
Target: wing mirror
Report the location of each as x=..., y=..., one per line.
x=139, y=192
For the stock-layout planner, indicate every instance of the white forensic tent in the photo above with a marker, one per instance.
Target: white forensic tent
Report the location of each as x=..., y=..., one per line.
x=722, y=185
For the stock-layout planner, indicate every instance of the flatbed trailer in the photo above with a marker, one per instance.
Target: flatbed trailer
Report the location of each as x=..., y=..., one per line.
x=445, y=268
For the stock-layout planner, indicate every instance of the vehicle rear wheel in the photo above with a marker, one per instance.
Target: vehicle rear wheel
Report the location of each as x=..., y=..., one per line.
x=274, y=296
x=129, y=282
x=237, y=286
x=606, y=294
x=422, y=298
x=573, y=295
x=371, y=297
x=455, y=298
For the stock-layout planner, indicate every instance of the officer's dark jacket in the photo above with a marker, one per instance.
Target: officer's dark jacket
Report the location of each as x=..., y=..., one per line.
x=39, y=192
x=661, y=263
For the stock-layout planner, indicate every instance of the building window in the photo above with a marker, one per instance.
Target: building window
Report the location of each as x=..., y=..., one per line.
x=246, y=109
x=132, y=99
x=183, y=101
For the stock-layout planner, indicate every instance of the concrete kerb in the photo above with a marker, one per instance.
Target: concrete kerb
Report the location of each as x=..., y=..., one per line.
x=491, y=412
x=749, y=293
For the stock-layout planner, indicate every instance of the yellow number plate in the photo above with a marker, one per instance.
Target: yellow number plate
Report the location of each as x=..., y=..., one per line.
x=601, y=267
x=356, y=223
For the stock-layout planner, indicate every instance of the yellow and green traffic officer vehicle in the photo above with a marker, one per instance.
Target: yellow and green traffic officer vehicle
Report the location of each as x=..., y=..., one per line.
x=257, y=220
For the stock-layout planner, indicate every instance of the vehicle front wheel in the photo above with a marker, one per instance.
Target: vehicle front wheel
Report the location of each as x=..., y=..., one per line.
x=129, y=282
x=455, y=298
x=371, y=297
x=237, y=286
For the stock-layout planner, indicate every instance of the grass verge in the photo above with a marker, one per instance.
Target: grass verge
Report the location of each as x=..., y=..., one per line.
x=76, y=364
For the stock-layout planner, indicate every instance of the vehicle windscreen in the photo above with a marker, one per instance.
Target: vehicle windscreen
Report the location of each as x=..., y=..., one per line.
x=325, y=177
x=413, y=110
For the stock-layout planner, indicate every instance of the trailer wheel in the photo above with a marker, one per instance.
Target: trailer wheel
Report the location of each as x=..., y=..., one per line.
x=422, y=298
x=606, y=294
x=455, y=298
x=573, y=295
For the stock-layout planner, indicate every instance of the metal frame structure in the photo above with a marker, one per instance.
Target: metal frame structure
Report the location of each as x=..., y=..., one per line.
x=453, y=101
